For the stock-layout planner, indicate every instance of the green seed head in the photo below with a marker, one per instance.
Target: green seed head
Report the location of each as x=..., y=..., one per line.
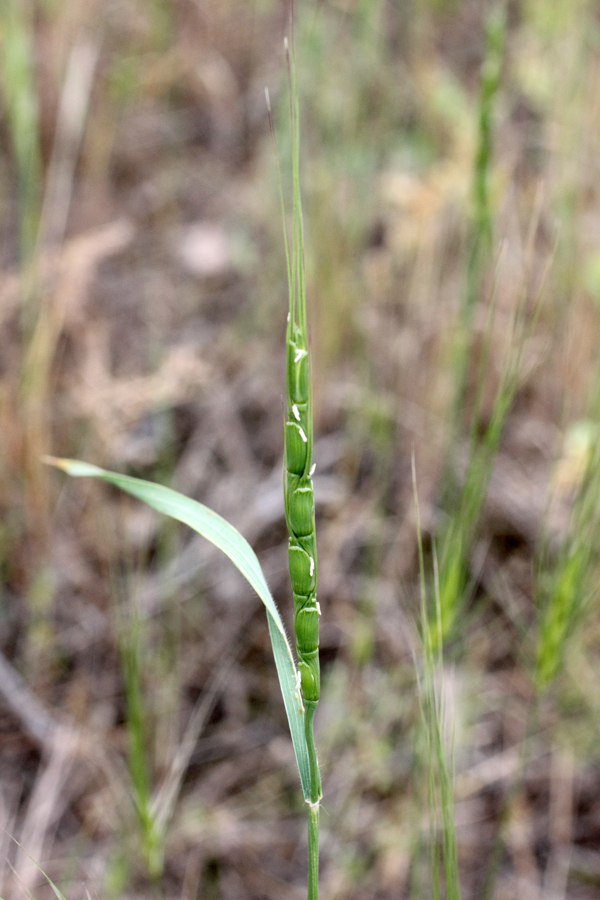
x=297, y=368
x=310, y=677
x=307, y=631
x=296, y=448
x=302, y=570
x=301, y=510
x=298, y=412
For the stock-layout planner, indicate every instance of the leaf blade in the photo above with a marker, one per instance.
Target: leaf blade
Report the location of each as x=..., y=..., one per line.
x=223, y=535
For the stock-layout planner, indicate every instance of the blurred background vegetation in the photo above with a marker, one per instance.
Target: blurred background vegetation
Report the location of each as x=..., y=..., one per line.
x=451, y=177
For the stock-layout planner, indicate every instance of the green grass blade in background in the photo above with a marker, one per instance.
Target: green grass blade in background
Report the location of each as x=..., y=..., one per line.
x=224, y=536
x=20, y=99
x=440, y=766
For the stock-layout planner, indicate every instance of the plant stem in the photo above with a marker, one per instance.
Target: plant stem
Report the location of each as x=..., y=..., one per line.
x=315, y=802
x=313, y=853
x=315, y=775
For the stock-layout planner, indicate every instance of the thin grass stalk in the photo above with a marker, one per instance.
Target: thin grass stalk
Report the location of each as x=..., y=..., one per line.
x=482, y=240
x=445, y=768
x=481, y=233
x=466, y=501
x=20, y=96
x=425, y=694
x=440, y=769
x=457, y=537
x=137, y=759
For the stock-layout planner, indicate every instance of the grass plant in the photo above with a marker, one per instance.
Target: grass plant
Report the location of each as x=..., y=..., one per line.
x=300, y=684
x=456, y=539
x=401, y=169
x=298, y=485
x=151, y=838
x=565, y=583
x=464, y=502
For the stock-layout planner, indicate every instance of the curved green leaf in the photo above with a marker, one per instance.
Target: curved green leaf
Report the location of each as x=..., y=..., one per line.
x=217, y=530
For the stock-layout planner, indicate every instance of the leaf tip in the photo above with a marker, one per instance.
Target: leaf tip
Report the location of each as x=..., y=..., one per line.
x=73, y=467
x=54, y=461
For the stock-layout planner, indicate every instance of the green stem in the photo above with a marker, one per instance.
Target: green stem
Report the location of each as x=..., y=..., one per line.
x=315, y=801
x=313, y=853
